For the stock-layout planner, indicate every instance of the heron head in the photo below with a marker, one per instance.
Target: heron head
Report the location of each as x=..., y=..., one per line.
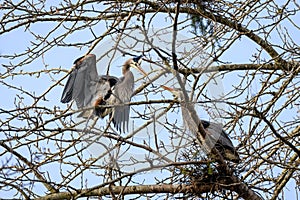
x=175, y=91
x=134, y=63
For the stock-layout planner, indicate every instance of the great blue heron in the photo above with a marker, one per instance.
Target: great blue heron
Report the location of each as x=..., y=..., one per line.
x=88, y=89
x=214, y=136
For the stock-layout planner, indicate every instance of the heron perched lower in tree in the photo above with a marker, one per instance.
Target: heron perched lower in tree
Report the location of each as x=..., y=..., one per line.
x=214, y=136
x=88, y=89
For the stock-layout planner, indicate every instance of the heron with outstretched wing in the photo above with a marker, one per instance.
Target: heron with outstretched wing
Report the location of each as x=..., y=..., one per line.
x=87, y=89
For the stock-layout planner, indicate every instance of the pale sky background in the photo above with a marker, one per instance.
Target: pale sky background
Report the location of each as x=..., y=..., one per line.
x=18, y=40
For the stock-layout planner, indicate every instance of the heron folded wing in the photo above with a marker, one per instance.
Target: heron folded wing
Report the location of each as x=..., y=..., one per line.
x=218, y=138
x=205, y=124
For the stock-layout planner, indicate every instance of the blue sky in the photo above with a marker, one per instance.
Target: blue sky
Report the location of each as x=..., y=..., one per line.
x=61, y=57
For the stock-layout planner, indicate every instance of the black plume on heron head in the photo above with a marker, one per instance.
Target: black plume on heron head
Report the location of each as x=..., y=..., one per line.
x=138, y=59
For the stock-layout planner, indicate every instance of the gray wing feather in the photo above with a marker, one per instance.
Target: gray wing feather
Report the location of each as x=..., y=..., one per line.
x=122, y=93
x=220, y=135
x=218, y=138
x=217, y=135
x=68, y=90
x=101, y=96
x=82, y=83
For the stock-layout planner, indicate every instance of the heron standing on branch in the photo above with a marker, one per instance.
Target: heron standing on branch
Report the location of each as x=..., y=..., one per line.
x=214, y=136
x=88, y=89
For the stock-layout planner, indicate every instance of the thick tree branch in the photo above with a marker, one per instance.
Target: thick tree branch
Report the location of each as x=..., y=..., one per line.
x=33, y=119
x=172, y=189
x=235, y=67
x=183, y=189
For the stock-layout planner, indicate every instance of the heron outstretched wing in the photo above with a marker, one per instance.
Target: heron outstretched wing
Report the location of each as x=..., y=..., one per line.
x=82, y=82
x=122, y=93
x=68, y=90
x=88, y=89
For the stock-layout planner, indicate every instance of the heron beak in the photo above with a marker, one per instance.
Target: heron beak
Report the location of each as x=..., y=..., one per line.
x=167, y=88
x=138, y=67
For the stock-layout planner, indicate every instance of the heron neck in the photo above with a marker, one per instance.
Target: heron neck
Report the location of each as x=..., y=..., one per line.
x=188, y=110
x=128, y=78
x=125, y=69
